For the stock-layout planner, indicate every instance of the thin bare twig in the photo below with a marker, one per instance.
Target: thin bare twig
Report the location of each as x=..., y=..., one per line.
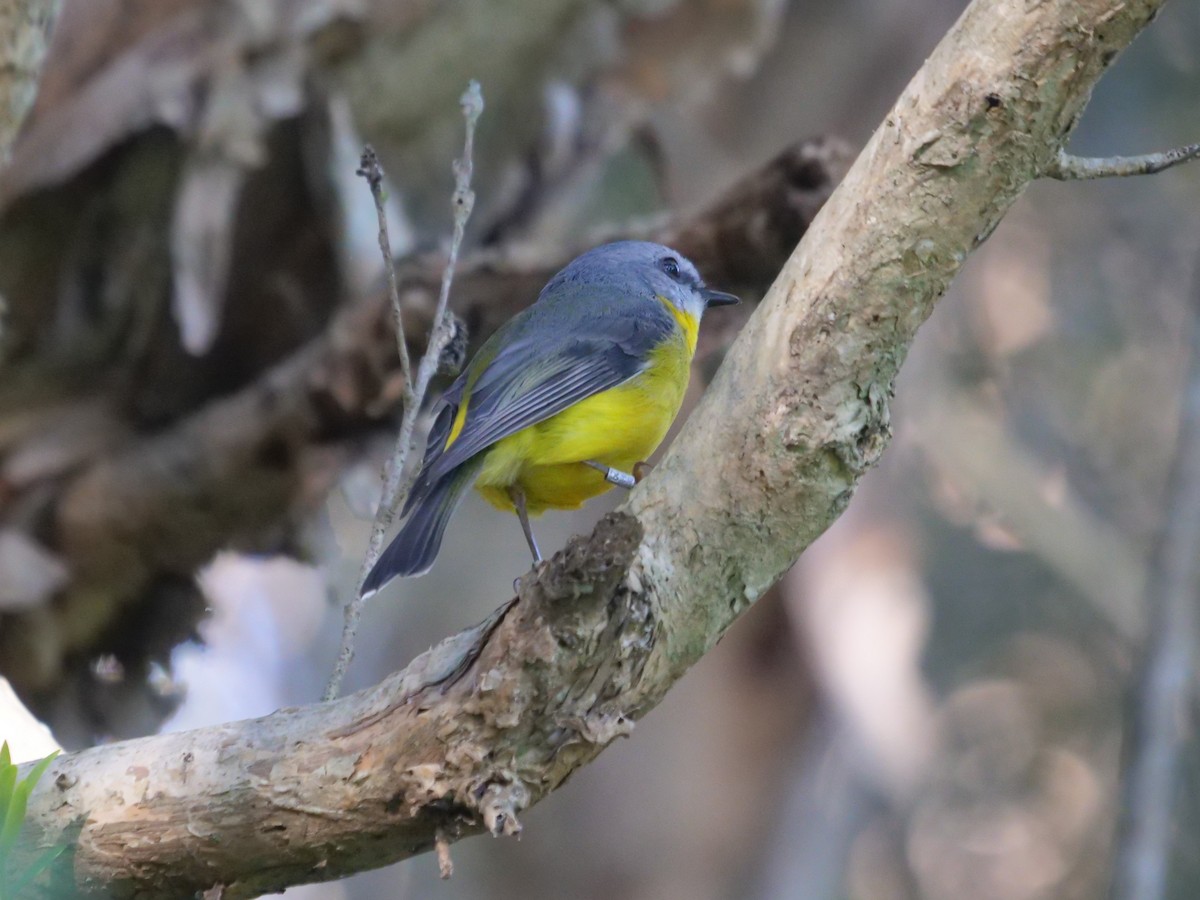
x=1161, y=703
x=370, y=168
x=1078, y=168
x=395, y=486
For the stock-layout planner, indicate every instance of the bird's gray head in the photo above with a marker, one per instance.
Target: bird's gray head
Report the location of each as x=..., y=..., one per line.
x=642, y=267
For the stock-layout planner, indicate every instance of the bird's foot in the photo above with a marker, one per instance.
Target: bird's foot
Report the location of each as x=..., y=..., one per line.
x=530, y=576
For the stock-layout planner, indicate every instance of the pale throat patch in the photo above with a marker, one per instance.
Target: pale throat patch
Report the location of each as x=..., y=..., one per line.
x=688, y=321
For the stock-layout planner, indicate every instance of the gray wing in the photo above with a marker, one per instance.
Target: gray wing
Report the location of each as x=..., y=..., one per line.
x=546, y=364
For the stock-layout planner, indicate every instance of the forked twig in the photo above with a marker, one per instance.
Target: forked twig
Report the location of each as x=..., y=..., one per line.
x=395, y=485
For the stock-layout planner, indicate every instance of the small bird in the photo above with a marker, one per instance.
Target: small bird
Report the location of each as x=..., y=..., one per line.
x=563, y=401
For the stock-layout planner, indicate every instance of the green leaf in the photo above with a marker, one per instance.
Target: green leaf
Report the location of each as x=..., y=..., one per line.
x=15, y=814
x=8, y=780
x=39, y=770
x=8, y=777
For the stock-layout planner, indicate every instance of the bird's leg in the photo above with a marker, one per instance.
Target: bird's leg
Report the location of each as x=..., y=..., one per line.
x=611, y=475
x=517, y=496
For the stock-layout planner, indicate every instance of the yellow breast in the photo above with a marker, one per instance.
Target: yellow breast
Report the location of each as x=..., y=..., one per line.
x=618, y=427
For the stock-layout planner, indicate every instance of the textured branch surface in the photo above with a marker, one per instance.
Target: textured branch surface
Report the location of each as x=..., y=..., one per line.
x=24, y=34
x=486, y=724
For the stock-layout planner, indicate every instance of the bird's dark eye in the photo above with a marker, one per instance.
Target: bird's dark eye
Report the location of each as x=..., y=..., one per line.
x=670, y=265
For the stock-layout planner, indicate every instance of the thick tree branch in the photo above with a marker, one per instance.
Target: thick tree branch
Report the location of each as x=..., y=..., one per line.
x=486, y=724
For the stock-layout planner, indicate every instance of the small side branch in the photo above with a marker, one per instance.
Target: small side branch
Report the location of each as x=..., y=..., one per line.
x=1078, y=168
x=395, y=487
x=1162, y=698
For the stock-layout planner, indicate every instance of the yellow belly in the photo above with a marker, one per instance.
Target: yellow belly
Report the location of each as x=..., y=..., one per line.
x=619, y=427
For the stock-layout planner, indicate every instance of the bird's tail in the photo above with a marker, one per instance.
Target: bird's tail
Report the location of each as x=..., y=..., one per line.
x=413, y=550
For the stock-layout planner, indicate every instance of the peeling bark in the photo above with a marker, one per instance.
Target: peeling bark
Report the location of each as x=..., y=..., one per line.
x=486, y=724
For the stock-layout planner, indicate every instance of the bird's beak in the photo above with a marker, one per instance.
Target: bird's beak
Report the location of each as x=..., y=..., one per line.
x=718, y=298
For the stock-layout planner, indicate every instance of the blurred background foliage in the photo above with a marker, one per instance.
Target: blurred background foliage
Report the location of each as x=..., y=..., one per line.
x=933, y=704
